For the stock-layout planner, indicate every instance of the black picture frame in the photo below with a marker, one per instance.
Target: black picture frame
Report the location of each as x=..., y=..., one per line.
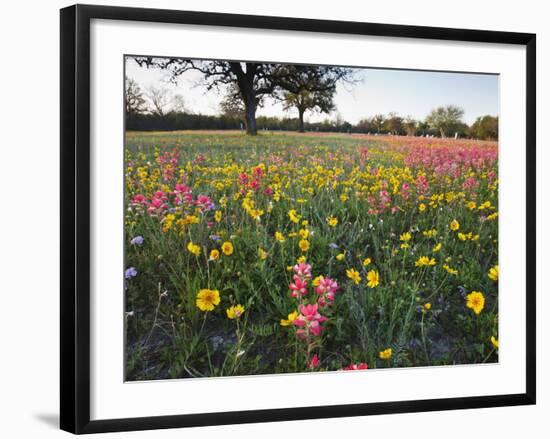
x=75, y=217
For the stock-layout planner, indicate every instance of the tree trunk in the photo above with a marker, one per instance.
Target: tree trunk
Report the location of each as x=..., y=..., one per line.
x=301, y=118
x=250, y=116
x=245, y=82
x=442, y=131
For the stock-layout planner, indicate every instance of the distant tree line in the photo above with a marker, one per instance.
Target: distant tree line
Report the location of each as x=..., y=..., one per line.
x=304, y=88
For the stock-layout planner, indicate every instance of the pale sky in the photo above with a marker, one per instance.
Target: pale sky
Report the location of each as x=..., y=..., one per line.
x=377, y=91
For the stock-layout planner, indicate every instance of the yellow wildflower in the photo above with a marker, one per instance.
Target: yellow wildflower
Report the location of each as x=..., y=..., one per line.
x=291, y=317
x=455, y=225
x=475, y=301
x=353, y=275
x=227, y=248
x=424, y=261
x=235, y=312
x=303, y=245
x=262, y=254
x=294, y=217
x=430, y=233
x=373, y=279
x=493, y=273
x=207, y=299
x=450, y=270
x=317, y=281
x=194, y=248
x=214, y=255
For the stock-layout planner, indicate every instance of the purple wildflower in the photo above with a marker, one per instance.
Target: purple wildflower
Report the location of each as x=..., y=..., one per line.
x=138, y=240
x=130, y=272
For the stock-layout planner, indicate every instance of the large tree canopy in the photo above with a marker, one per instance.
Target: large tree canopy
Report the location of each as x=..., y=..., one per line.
x=310, y=88
x=253, y=80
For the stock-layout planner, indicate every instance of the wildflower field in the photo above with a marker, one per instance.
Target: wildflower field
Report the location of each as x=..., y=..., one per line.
x=284, y=253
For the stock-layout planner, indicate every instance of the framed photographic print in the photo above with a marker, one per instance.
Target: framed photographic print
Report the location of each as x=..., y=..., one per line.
x=268, y=218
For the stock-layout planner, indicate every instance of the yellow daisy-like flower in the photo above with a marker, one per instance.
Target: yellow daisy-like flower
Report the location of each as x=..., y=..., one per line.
x=475, y=301
x=304, y=245
x=301, y=259
x=405, y=237
x=437, y=247
x=262, y=254
x=317, y=281
x=421, y=207
x=235, y=312
x=385, y=354
x=366, y=262
x=191, y=219
x=430, y=233
x=455, y=225
x=494, y=341
x=353, y=275
x=424, y=261
x=293, y=216
x=427, y=306
x=340, y=256
x=279, y=237
x=227, y=248
x=214, y=255
x=373, y=279
x=194, y=248
x=332, y=222
x=493, y=273
x=450, y=270
x=207, y=300
x=291, y=317
x=304, y=233
x=218, y=216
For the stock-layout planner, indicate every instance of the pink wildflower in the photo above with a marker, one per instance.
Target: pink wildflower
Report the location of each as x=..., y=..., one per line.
x=302, y=271
x=139, y=199
x=326, y=289
x=358, y=366
x=314, y=362
x=298, y=287
x=310, y=320
x=204, y=203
